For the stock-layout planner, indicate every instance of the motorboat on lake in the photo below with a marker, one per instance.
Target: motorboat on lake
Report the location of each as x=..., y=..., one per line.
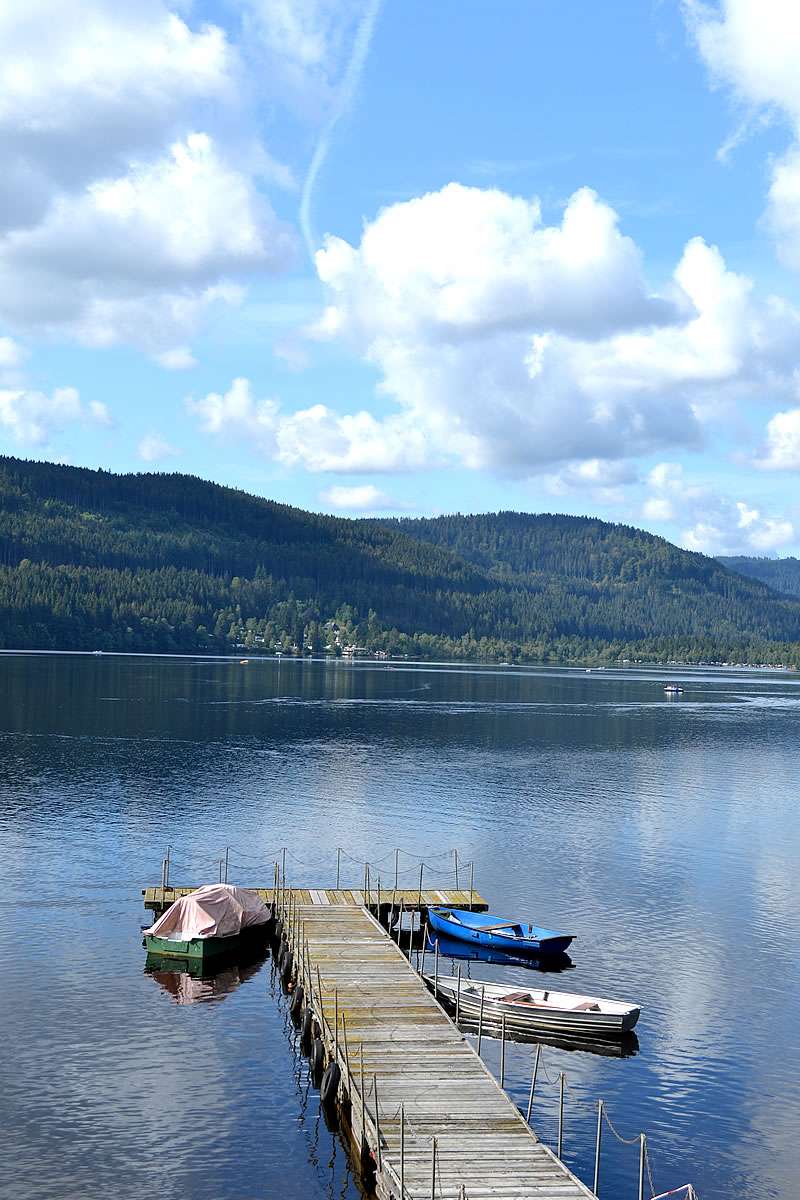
x=536, y=1009
x=213, y=920
x=516, y=936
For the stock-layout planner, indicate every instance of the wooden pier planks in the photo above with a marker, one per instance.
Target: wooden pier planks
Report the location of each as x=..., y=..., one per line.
x=158, y=899
x=419, y=1060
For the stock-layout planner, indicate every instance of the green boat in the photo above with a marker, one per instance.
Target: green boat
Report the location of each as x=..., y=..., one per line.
x=209, y=923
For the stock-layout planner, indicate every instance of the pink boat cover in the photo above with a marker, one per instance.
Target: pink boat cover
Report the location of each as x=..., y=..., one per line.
x=216, y=910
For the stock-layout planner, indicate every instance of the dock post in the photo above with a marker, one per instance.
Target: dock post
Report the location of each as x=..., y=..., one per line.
x=347, y=1061
x=561, y=1113
x=166, y=877
x=336, y=1022
x=597, y=1146
x=455, y=864
x=363, y=1124
x=641, y=1165
x=471, y=870
x=379, y=900
x=533, y=1083
x=227, y=848
x=283, y=866
x=480, y=1022
x=458, y=994
x=433, y=1172
x=402, y=1151
x=219, y=860
x=338, y=864
x=435, y=967
x=163, y=880
x=396, y=864
x=377, y=1120
x=503, y=1051
x=419, y=897
x=400, y=921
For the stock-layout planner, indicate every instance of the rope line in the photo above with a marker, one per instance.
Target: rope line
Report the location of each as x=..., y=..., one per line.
x=618, y=1136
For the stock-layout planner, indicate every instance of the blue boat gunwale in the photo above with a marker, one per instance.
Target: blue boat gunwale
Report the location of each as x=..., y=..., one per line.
x=497, y=931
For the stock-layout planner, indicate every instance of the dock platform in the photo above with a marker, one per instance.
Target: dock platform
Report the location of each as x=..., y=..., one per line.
x=419, y=1101
x=157, y=899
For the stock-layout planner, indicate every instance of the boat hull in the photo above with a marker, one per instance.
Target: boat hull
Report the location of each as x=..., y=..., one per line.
x=483, y=930
x=575, y=1018
x=205, y=949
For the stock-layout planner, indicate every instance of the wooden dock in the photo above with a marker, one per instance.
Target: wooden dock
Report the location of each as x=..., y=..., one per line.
x=419, y=1102
x=411, y=899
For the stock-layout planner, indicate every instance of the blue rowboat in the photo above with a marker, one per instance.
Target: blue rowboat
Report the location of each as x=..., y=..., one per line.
x=515, y=936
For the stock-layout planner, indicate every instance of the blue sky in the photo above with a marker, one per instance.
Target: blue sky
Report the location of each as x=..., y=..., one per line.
x=393, y=257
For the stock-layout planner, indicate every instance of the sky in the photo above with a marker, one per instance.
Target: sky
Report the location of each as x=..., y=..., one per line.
x=412, y=257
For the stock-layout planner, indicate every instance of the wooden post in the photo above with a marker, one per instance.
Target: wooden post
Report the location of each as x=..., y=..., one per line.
x=597, y=1146
x=503, y=1050
x=458, y=994
x=227, y=848
x=433, y=1172
x=338, y=864
x=455, y=864
x=561, y=1112
x=480, y=1022
x=533, y=1082
x=396, y=863
x=402, y=1151
x=435, y=969
x=377, y=1121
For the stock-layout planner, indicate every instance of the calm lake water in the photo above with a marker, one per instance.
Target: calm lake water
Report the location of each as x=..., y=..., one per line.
x=663, y=831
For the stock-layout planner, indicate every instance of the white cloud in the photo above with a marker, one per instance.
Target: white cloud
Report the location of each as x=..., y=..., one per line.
x=712, y=524
x=753, y=47
x=363, y=498
x=11, y=354
x=122, y=218
x=154, y=447
x=179, y=358
x=321, y=440
x=31, y=417
x=236, y=415
x=781, y=451
x=518, y=347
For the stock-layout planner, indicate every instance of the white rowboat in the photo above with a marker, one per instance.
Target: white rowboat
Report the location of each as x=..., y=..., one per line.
x=530, y=1009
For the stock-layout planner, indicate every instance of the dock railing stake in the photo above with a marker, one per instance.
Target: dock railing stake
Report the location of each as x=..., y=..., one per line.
x=597, y=1146
x=400, y=921
x=379, y=900
x=561, y=1112
x=533, y=1082
x=377, y=1121
x=227, y=848
x=419, y=897
x=166, y=878
x=336, y=1022
x=424, y=948
x=471, y=869
x=410, y=935
x=480, y=1022
x=283, y=865
x=455, y=864
x=435, y=967
x=163, y=881
x=641, y=1166
x=322, y=1019
x=338, y=864
x=402, y=1151
x=433, y=1172
x=219, y=860
x=458, y=994
x=396, y=864
x=361, y=1062
x=347, y=1060
x=503, y=1050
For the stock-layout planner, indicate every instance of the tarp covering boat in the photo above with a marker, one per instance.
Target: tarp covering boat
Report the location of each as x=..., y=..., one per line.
x=216, y=910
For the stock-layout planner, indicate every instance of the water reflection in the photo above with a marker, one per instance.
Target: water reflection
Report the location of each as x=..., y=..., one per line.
x=623, y=1046
x=189, y=981
x=451, y=948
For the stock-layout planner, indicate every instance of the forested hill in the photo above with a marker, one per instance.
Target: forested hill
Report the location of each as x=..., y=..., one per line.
x=167, y=562
x=782, y=574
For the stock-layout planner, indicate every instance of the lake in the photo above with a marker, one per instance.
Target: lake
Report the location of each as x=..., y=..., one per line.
x=662, y=830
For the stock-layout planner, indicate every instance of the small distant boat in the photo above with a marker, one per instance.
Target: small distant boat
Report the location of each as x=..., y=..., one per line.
x=528, y=1009
x=673, y=690
x=516, y=936
x=213, y=920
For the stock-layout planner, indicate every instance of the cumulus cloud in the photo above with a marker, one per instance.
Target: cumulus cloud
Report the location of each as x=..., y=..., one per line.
x=518, y=347
x=236, y=415
x=11, y=353
x=753, y=47
x=123, y=218
x=712, y=524
x=31, y=417
x=154, y=447
x=781, y=451
x=363, y=499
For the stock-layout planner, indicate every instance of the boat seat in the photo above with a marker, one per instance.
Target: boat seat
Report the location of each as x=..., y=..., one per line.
x=513, y=997
x=587, y=1006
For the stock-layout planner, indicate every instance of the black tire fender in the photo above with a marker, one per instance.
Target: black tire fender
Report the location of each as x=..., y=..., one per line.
x=329, y=1088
